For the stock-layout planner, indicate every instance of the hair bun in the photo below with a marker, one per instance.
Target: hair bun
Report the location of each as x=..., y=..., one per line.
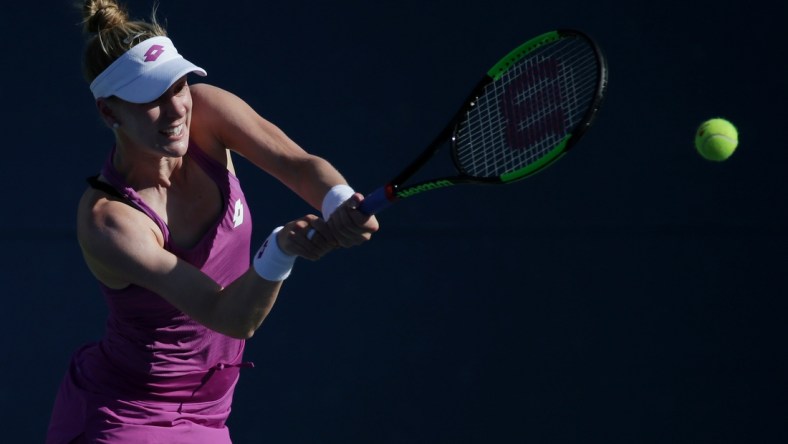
x=103, y=14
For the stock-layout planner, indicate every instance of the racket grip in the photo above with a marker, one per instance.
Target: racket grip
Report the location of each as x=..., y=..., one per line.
x=375, y=202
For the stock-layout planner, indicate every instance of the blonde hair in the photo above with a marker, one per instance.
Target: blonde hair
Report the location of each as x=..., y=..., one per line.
x=111, y=33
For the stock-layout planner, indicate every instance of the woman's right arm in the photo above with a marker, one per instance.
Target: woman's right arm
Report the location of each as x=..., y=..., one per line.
x=123, y=246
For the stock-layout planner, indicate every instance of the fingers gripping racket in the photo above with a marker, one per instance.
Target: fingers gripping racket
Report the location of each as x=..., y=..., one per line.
x=527, y=111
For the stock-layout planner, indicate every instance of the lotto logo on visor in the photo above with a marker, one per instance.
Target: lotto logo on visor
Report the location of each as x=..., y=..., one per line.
x=153, y=53
x=133, y=78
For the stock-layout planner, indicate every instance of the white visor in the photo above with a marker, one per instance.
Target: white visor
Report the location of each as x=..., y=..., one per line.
x=144, y=72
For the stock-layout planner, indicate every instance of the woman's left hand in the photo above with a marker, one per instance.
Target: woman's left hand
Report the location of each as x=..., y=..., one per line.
x=351, y=227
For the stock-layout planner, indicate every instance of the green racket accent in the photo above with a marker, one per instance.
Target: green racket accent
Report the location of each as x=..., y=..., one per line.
x=545, y=160
x=521, y=51
x=427, y=186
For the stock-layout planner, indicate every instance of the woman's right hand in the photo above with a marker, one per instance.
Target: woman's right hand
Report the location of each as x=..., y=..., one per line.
x=296, y=238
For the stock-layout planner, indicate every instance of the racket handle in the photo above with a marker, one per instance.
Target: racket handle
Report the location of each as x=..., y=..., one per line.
x=375, y=202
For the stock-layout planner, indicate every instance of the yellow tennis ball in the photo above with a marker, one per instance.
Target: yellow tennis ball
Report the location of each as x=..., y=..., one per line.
x=716, y=139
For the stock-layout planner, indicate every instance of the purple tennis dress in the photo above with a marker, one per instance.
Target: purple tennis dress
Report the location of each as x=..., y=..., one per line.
x=157, y=376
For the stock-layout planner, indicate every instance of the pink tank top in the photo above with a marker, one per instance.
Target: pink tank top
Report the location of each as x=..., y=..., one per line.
x=152, y=351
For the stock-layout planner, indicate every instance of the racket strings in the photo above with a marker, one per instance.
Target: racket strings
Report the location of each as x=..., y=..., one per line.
x=523, y=115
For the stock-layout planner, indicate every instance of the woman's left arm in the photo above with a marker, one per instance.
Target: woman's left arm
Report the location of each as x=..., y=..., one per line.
x=233, y=124
x=236, y=126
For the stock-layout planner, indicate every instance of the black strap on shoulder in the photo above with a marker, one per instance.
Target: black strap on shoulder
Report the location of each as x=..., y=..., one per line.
x=105, y=187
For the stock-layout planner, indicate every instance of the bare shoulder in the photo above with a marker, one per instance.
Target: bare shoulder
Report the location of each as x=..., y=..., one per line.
x=202, y=91
x=111, y=233
x=218, y=105
x=101, y=216
x=206, y=123
x=210, y=96
x=221, y=122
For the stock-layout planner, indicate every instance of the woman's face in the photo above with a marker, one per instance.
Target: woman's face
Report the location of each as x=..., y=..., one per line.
x=160, y=126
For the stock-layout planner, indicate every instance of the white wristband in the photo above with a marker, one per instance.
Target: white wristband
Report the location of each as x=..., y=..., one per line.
x=270, y=262
x=335, y=197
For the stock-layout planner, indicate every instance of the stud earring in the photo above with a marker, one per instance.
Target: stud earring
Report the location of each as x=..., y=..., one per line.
x=115, y=125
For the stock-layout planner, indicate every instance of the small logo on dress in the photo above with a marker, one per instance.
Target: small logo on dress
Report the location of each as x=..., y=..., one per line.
x=153, y=53
x=238, y=215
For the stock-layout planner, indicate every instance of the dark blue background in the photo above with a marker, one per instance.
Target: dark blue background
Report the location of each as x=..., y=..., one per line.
x=631, y=293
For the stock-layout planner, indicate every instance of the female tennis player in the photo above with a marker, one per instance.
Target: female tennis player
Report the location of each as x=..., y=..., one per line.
x=166, y=230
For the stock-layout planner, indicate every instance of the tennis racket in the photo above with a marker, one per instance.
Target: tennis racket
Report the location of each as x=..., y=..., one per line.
x=527, y=111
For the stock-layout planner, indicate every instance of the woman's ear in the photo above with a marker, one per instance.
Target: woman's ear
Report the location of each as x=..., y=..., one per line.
x=107, y=114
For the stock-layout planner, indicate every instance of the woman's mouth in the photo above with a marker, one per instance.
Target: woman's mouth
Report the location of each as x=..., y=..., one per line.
x=174, y=131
